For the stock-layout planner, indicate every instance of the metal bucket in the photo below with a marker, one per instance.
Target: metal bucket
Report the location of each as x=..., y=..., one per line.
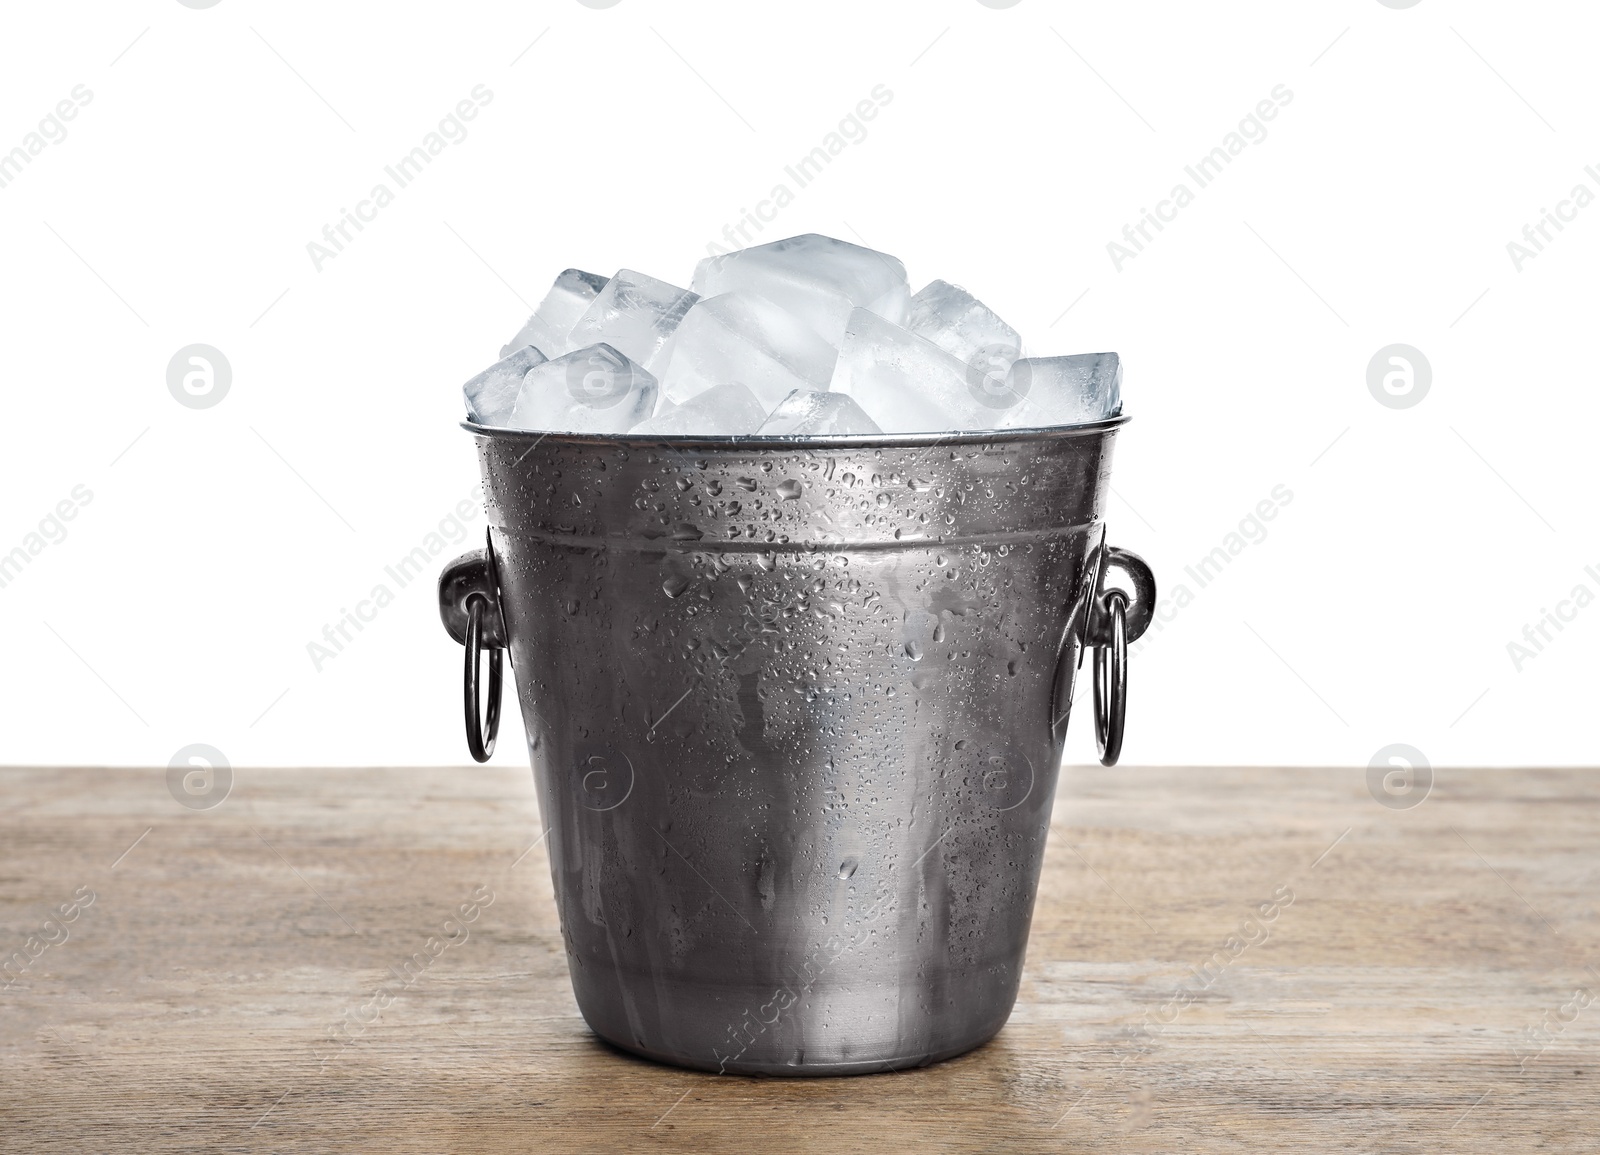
x=795, y=713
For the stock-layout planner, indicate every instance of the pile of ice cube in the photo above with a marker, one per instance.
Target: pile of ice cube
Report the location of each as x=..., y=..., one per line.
x=806, y=337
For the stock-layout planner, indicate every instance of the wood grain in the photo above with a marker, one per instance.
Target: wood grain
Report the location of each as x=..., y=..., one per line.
x=212, y=995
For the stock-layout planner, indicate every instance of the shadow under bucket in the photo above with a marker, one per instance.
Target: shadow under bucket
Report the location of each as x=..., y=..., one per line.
x=795, y=712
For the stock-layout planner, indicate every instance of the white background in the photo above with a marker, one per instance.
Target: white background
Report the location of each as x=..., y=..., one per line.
x=1018, y=143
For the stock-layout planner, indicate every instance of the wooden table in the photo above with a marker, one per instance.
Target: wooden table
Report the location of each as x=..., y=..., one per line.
x=215, y=994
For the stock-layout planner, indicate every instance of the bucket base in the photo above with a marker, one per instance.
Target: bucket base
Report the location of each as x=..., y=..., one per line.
x=799, y=1069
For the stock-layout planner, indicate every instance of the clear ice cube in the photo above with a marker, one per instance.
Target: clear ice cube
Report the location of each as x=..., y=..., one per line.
x=818, y=279
x=814, y=413
x=963, y=326
x=1063, y=390
x=636, y=315
x=745, y=338
x=906, y=383
x=574, y=290
x=721, y=411
x=492, y=394
x=590, y=390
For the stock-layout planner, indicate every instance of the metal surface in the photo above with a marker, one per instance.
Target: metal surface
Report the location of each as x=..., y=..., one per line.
x=795, y=714
x=468, y=577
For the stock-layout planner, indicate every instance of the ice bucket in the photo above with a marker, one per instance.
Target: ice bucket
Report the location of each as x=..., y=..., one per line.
x=795, y=712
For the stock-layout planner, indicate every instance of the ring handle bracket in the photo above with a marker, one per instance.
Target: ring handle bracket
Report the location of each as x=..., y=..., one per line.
x=1115, y=607
x=473, y=573
x=1123, y=570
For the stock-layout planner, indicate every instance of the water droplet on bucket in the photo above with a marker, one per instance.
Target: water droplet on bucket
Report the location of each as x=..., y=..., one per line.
x=914, y=651
x=788, y=490
x=674, y=586
x=848, y=867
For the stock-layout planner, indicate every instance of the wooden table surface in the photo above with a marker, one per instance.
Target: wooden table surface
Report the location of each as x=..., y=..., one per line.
x=1427, y=989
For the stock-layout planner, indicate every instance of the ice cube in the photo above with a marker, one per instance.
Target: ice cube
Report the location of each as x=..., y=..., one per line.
x=906, y=383
x=1063, y=390
x=721, y=411
x=590, y=390
x=816, y=278
x=547, y=329
x=963, y=326
x=811, y=413
x=492, y=394
x=745, y=338
x=635, y=315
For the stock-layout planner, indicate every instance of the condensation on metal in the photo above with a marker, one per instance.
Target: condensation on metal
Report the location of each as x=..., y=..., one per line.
x=795, y=715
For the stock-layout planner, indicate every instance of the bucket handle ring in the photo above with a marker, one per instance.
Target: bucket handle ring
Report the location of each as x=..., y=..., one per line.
x=470, y=607
x=481, y=733
x=1121, y=596
x=1111, y=681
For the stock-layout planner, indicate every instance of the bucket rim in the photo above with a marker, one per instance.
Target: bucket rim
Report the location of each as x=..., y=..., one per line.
x=926, y=440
